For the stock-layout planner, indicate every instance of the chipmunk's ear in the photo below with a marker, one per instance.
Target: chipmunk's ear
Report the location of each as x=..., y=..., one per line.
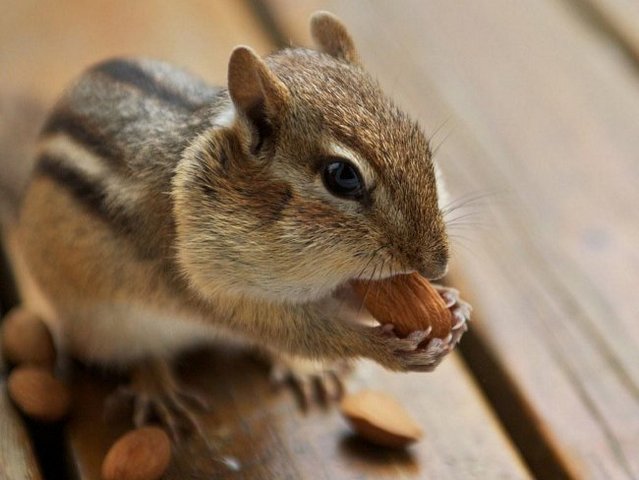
x=330, y=36
x=255, y=90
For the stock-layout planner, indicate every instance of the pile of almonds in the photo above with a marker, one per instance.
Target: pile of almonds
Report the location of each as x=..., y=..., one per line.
x=27, y=343
x=141, y=454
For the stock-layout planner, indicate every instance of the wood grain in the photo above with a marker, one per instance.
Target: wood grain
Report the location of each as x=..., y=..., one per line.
x=47, y=43
x=545, y=119
x=17, y=461
x=263, y=431
x=20, y=118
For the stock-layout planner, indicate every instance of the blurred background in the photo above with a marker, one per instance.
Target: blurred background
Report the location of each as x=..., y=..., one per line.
x=533, y=112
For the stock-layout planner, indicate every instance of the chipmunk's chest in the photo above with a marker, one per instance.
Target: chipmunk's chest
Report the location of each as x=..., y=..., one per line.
x=124, y=333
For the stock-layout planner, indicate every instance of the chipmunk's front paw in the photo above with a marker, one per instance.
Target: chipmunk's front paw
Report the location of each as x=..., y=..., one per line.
x=156, y=397
x=414, y=353
x=313, y=381
x=460, y=311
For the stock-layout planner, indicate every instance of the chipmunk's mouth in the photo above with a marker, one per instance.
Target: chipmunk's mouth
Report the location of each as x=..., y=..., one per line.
x=351, y=305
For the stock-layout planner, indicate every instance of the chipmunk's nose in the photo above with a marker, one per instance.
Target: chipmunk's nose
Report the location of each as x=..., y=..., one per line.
x=434, y=272
x=434, y=267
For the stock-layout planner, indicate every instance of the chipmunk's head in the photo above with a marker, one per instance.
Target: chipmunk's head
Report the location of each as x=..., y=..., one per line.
x=312, y=177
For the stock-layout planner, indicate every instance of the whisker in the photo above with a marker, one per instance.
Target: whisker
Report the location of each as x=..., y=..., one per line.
x=381, y=271
x=380, y=274
x=435, y=149
x=470, y=224
x=473, y=231
x=439, y=128
x=469, y=199
x=371, y=258
x=462, y=216
x=363, y=299
x=457, y=236
x=462, y=241
x=456, y=245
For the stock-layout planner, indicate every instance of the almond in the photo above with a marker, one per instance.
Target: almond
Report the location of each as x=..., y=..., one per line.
x=26, y=339
x=409, y=302
x=141, y=454
x=38, y=394
x=380, y=419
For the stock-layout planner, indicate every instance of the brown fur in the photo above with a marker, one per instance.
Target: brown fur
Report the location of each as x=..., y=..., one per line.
x=166, y=212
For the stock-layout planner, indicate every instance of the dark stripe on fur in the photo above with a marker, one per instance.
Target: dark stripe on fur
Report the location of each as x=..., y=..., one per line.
x=275, y=202
x=281, y=204
x=89, y=193
x=132, y=74
x=80, y=130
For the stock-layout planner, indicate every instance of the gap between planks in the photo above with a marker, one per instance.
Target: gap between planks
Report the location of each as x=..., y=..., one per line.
x=616, y=20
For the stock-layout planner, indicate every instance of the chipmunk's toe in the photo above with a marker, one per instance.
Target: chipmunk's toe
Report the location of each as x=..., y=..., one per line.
x=313, y=382
x=154, y=397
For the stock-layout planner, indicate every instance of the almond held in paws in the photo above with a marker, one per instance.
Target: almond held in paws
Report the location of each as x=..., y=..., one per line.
x=26, y=339
x=380, y=419
x=141, y=454
x=38, y=394
x=409, y=302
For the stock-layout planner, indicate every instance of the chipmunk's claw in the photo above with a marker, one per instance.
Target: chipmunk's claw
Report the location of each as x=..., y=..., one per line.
x=415, y=352
x=460, y=310
x=170, y=410
x=313, y=382
x=154, y=396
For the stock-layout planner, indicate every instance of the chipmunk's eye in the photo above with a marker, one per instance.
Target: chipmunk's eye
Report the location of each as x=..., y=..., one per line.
x=342, y=179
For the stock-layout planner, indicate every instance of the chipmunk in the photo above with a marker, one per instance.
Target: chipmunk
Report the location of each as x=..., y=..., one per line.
x=165, y=213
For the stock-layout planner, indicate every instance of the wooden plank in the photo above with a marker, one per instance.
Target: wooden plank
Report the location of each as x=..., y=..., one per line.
x=47, y=44
x=547, y=115
x=17, y=460
x=267, y=435
x=263, y=429
x=618, y=19
x=21, y=117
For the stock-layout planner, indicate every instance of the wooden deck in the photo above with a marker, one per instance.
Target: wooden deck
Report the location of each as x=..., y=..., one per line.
x=534, y=108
